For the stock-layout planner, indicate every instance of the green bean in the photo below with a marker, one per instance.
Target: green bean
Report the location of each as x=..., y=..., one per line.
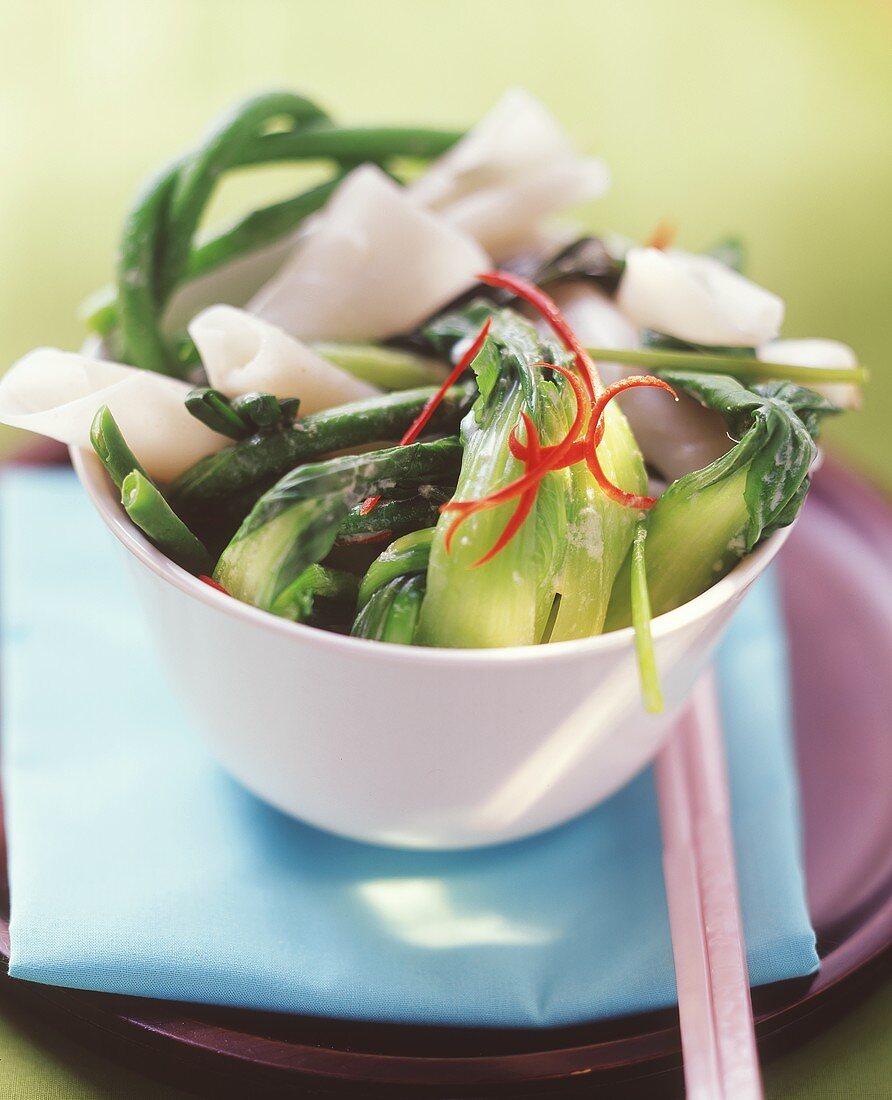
x=260, y=227
x=157, y=245
x=138, y=300
x=257, y=462
x=298, y=600
x=392, y=518
x=213, y=409
x=158, y=233
x=350, y=144
x=200, y=172
x=110, y=445
x=261, y=409
x=148, y=509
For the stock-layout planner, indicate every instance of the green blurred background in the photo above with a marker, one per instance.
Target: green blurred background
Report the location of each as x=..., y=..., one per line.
x=764, y=118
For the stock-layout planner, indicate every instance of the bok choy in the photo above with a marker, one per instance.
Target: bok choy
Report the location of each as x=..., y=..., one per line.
x=707, y=520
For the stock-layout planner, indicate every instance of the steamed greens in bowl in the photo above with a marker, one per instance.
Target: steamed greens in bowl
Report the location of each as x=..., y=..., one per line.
x=386, y=405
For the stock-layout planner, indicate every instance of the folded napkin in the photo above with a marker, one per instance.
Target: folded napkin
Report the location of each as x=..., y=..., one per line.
x=137, y=866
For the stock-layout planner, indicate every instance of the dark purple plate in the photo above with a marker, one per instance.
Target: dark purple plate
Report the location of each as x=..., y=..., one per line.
x=837, y=584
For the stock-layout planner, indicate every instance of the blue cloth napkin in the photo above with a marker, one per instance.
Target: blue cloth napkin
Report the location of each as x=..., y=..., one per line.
x=137, y=866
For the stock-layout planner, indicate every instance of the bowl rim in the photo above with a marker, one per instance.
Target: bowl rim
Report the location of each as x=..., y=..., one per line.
x=95, y=480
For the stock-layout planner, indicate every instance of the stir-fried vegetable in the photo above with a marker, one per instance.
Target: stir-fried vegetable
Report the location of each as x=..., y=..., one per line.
x=392, y=518
x=252, y=465
x=316, y=583
x=535, y=525
x=388, y=367
x=148, y=509
x=111, y=447
x=157, y=250
x=296, y=523
x=472, y=601
x=651, y=693
x=706, y=521
x=393, y=589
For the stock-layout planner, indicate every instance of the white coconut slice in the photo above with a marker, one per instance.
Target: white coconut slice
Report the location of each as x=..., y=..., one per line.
x=697, y=298
x=675, y=437
x=243, y=354
x=58, y=393
x=510, y=172
x=376, y=264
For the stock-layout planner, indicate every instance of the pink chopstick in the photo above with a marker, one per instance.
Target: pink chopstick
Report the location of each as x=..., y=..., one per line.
x=718, y=1038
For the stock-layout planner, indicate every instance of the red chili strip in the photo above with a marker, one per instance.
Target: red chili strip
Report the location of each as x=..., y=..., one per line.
x=547, y=308
x=629, y=500
x=550, y=457
x=213, y=584
x=420, y=422
x=527, y=499
x=432, y=404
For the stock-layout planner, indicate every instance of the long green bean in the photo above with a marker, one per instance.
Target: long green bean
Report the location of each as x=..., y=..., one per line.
x=257, y=462
x=260, y=227
x=157, y=251
x=158, y=232
x=110, y=445
x=392, y=518
x=200, y=172
x=343, y=143
x=150, y=512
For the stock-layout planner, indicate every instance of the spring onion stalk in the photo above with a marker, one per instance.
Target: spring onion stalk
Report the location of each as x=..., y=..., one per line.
x=741, y=367
x=386, y=367
x=651, y=692
x=111, y=447
x=295, y=524
x=148, y=509
x=707, y=520
x=317, y=582
x=254, y=464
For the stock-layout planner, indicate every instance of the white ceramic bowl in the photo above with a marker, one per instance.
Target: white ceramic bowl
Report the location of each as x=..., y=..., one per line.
x=414, y=747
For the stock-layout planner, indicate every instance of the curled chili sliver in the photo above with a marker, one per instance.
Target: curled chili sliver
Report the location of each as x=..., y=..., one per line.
x=432, y=404
x=590, y=448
